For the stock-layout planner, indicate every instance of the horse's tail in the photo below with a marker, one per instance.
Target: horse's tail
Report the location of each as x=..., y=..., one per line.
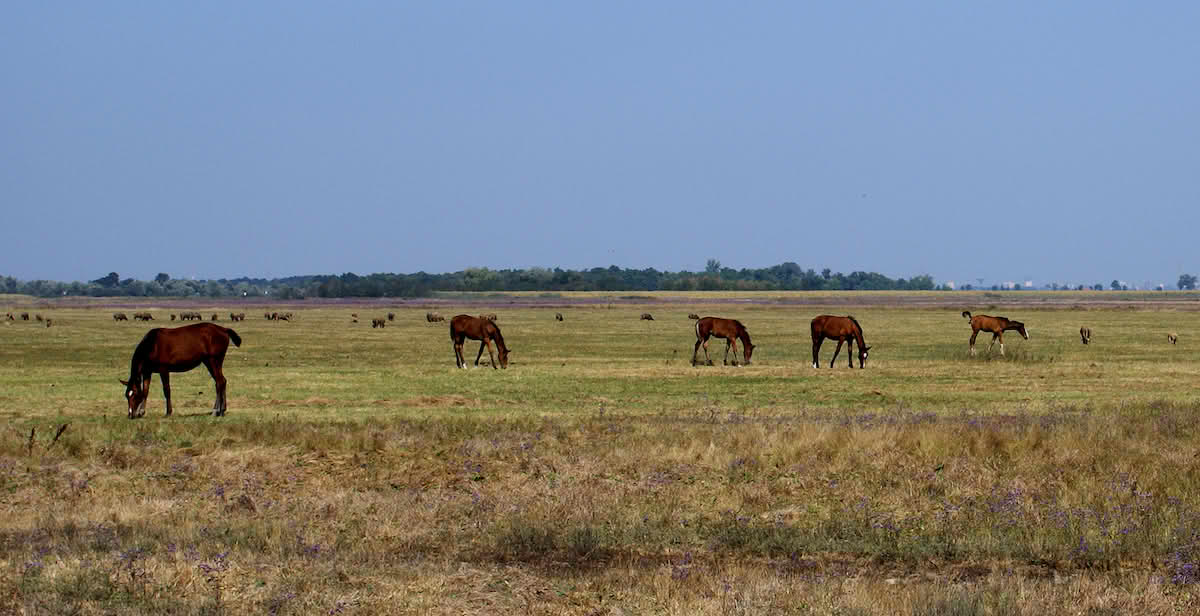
x=237, y=340
x=966, y=314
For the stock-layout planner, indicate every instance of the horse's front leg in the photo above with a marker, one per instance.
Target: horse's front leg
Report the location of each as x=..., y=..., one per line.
x=146, y=388
x=166, y=383
x=835, y=352
x=490, y=355
x=1001, y=338
x=850, y=352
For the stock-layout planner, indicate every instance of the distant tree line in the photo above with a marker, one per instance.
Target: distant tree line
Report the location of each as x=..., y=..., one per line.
x=786, y=276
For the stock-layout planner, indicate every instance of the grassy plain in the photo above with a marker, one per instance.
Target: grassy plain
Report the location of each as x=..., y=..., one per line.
x=359, y=472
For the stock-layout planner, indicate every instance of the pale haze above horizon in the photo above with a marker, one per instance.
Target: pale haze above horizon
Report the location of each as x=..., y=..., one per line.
x=1053, y=142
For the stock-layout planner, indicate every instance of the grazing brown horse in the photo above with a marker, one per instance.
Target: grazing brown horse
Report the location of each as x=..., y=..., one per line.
x=466, y=326
x=843, y=329
x=378, y=323
x=647, y=317
x=391, y=316
x=694, y=316
x=166, y=350
x=434, y=317
x=729, y=329
x=491, y=316
x=1085, y=334
x=996, y=325
x=120, y=316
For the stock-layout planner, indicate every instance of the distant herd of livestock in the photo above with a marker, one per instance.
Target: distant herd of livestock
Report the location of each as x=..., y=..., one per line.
x=994, y=325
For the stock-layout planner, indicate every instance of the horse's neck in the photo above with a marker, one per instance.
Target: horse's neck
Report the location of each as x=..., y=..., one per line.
x=137, y=367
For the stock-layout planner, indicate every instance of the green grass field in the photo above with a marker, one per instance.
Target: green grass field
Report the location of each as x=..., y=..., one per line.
x=358, y=471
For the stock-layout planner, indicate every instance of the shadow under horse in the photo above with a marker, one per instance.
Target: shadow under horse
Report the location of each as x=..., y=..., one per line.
x=166, y=350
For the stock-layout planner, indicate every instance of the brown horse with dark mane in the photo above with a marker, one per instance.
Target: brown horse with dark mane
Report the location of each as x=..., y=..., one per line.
x=843, y=329
x=729, y=329
x=485, y=331
x=166, y=350
x=996, y=325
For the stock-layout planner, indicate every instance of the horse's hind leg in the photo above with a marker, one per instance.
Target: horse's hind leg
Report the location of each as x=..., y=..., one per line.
x=732, y=344
x=704, y=345
x=214, y=369
x=974, y=334
x=817, y=350
x=835, y=353
x=459, y=361
x=695, y=350
x=166, y=383
x=993, y=343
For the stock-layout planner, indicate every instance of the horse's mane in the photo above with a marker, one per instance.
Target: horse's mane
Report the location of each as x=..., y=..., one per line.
x=494, y=330
x=851, y=317
x=141, y=352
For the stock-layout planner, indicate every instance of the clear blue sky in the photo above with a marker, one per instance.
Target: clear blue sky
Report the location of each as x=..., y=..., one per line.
x=1056, y=141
